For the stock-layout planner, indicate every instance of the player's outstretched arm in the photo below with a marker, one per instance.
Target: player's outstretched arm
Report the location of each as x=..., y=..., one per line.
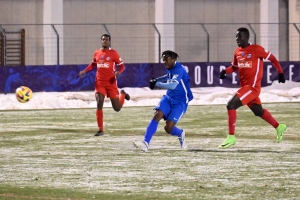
x=91, y=66
x=117, y=74
x=120, y=70
x=281, y=78
x=222, y=74
x=276, y=64
x=170, y=85
x=152, y=83
x=228, y=70
x=163, y=78
x=81, y=73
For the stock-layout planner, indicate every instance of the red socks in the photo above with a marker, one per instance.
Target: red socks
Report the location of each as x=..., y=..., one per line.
x=122, y=98
x=99, y=113
x=99, y=116
x=269, y=118
x=231, y=121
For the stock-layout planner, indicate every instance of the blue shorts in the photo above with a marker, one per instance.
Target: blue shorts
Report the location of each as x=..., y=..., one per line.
x=171, y=110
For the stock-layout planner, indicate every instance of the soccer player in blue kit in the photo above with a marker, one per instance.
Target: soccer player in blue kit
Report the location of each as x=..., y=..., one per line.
x=173, y=105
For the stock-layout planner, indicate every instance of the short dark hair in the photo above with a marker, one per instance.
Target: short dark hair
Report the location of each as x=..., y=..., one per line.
x=169, y=53
x=245, y=30
x=106, y=35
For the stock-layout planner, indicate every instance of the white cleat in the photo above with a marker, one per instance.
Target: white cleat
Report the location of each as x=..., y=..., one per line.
x=143, y=146
x=181, y=139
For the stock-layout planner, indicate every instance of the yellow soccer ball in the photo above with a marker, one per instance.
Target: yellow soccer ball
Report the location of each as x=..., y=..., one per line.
x=23, y=94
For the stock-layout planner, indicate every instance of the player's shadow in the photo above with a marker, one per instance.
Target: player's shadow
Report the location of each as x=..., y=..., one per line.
x=67, y=130
x=238, y=151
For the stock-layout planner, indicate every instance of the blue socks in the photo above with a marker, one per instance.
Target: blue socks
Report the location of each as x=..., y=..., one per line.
x=150, y=131
x=152, y=128
x=176, y=131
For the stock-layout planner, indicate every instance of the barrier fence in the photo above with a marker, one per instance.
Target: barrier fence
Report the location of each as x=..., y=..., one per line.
x=64, y=77
x=65, y=44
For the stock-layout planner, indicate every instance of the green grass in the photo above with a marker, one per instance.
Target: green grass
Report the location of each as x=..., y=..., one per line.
x=52, y=154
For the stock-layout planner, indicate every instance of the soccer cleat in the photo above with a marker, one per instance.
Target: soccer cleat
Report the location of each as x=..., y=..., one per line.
x=127, y=97
x=144, y=146
x=279, y=131
x=182, y=140
x=99, y=133
x=229, y=141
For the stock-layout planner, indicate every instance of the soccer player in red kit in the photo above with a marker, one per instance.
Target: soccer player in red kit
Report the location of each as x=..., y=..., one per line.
x=248, y=61
x=106, y=59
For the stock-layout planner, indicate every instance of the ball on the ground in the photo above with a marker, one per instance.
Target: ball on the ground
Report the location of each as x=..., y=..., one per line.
x=23, y=94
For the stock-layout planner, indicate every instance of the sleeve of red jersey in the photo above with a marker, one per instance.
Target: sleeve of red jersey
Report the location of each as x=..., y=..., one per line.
x=91, y=66
x=233, y=67
x=269, y=56
x=119, y=62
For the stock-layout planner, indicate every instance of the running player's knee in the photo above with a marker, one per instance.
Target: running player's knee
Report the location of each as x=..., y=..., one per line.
x=258, y=112
x=117, y=109
x=168, y=129
x=230, y=106
x=234, y=103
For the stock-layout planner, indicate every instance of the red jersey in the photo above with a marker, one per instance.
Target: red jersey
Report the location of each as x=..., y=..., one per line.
x=249, y=62
x=105, y=61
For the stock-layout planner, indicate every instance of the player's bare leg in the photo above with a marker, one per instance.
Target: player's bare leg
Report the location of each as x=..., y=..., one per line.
x=117, y=103
x=169, y=126
x=99, y=113
x=258, y=110
x=158, y=115
x=234, y=103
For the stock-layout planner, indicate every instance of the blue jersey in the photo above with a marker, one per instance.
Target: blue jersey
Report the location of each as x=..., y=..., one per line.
x=182, y=92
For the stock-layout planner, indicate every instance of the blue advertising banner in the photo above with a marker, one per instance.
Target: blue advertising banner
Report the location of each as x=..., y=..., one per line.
x=207, y=74
x=64, y=77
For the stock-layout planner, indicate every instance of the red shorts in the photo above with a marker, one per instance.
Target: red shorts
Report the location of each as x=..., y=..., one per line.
x=111, y=90
x=249, y=95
